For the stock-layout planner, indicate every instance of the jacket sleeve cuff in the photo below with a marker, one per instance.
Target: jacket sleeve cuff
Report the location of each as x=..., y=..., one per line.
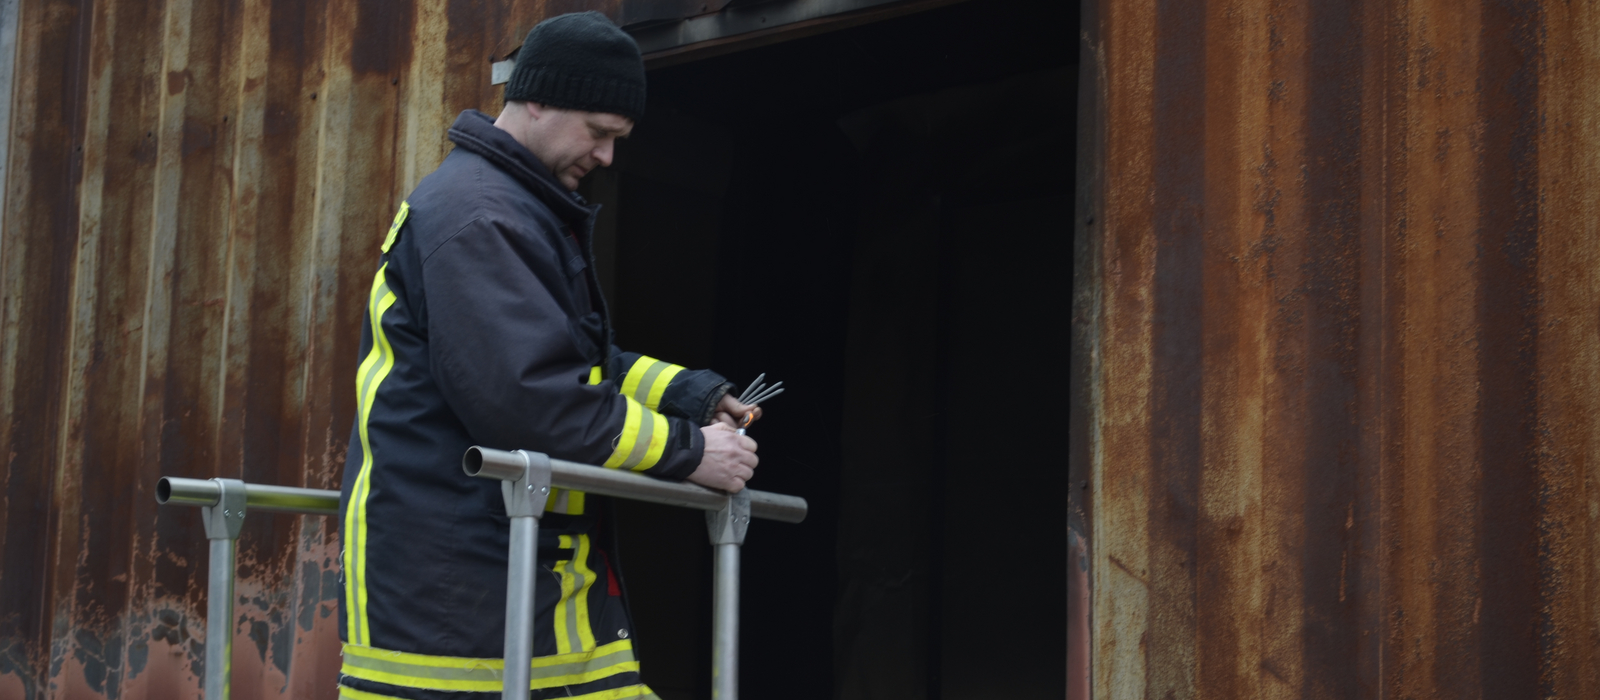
x=669, y=388
x=694, y=394
x=690, y=447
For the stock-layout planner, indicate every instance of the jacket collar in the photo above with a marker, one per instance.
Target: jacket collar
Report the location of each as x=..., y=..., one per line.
x=476, y=132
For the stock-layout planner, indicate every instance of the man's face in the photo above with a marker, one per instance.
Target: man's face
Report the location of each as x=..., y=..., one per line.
x=572, y=143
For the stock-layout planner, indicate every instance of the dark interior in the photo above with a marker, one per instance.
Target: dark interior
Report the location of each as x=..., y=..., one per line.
x=880, y=217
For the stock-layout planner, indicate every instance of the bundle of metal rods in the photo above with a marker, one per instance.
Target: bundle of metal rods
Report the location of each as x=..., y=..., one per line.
x=758, y=392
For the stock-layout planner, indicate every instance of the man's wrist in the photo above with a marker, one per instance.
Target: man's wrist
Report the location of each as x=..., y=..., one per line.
x=708, y=410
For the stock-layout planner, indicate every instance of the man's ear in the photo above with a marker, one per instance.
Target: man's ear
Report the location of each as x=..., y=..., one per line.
x=535, y=110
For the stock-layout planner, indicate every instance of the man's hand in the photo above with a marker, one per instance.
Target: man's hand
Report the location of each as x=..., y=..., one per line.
x=729, y=459
x=730, y=411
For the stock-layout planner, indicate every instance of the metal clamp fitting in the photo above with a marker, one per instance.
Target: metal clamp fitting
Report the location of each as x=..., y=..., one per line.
x=225, y=518
x=524, y=477
x=728, y=525
x=527, y=495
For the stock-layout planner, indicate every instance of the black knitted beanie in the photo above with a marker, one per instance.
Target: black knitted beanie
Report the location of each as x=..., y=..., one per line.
x=580, y=61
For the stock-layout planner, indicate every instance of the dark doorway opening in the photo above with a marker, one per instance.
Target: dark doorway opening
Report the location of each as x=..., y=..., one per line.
x=881, y=218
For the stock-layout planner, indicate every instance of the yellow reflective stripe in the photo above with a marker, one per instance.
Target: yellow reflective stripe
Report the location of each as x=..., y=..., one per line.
x=627, y=692
x=580, y=601
x=373, y=370
x=557, y=502
x=564, y=500
x=643, y=439
x=572, y=611
x=658, y=442
x=562, y=626
x=647, y=380
x=348, y=693
x=629, y=436
x=466, y=662
x=585, y=675
x=490, y=685
x=484, y=675
x=636, y=375
x=659, y=386
x=394, y=228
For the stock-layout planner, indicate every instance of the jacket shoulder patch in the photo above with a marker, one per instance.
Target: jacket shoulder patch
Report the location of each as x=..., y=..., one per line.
x=394, y=228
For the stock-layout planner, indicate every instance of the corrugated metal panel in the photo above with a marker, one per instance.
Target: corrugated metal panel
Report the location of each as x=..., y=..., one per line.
x=196, y=193
x=1346, y=388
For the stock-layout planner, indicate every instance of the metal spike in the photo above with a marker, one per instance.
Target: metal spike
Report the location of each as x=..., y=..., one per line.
x=749, y=387
x=768, y=394
x=765, y=398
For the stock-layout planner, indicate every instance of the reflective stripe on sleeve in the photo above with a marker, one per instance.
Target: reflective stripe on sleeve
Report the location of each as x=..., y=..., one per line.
x=485, y=675
x=648, y=379
x=643, y=439
x=659, y=386
x=658, y=442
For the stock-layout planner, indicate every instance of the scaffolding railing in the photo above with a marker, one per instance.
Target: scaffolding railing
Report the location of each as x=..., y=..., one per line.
x=525, y=482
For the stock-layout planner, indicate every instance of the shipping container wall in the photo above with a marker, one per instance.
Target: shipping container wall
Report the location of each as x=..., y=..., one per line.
x=1344, y=344
x=194, y=198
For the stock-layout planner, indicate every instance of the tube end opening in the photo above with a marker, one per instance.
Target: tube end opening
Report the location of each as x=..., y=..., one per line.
x=472, y=461
x=163, y=491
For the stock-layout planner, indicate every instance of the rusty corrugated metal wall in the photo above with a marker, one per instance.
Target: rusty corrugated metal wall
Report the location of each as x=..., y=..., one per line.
x=1344, y=321
x=194, y=196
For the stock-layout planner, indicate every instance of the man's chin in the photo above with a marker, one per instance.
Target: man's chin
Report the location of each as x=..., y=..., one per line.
x=569, y=182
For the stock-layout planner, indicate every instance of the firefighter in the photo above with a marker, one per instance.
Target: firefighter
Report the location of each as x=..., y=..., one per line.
x=485, y=326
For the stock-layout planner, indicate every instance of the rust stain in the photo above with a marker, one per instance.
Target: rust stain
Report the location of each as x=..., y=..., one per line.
x=1568, y=430
x=1078, y=667
x=1347, y=350
x=193, y=232
x=176, y=81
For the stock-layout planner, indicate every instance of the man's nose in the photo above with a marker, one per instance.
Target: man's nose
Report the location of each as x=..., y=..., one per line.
x=603, y=153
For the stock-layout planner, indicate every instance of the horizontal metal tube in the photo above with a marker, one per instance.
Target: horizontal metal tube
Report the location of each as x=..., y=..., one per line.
x=626, y=484
x=172, y=490
x=499, y=464
x=777, y=506
x=291, y=499
x=493, y=464
x=568, y=475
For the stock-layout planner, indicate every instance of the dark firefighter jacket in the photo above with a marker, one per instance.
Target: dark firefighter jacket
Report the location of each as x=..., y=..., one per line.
x=484, y=326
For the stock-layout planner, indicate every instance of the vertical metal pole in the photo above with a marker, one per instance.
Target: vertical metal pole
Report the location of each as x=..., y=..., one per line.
x=519, y=606
x=727, y=528
x=725, y=624
x=223, y=522
x=525, y=499
x=219, y=616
